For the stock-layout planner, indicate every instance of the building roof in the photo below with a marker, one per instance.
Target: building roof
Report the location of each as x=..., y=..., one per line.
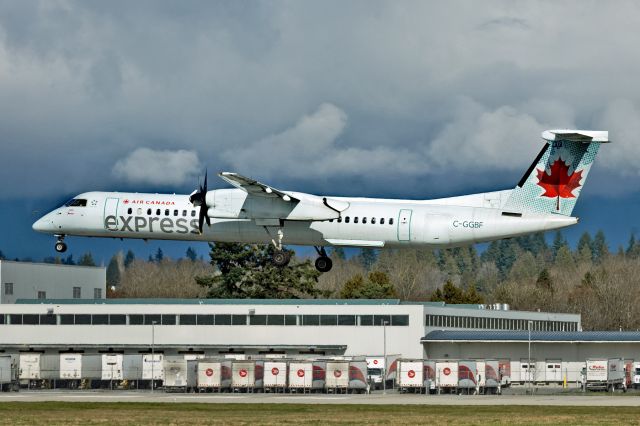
x=208, y=301
x=536, y=336
x=27, y=264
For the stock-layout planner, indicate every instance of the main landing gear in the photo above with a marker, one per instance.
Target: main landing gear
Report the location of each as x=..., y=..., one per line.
x=323, y=263
x=60, y=246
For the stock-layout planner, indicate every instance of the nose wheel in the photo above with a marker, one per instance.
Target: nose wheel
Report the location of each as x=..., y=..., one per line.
x=60, y=246
x=323, y=262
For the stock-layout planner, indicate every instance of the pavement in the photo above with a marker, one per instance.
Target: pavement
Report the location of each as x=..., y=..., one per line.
x=608, y=400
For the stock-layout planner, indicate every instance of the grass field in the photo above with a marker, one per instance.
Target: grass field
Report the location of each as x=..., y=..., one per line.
x=53, y=413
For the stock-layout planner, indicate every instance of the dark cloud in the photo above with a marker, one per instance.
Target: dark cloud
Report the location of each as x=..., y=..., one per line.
x=386, y=95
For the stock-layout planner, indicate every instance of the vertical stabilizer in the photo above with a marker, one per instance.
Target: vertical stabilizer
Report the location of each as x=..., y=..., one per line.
x=553, y=182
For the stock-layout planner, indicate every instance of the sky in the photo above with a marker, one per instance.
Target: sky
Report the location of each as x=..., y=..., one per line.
x=401, y=99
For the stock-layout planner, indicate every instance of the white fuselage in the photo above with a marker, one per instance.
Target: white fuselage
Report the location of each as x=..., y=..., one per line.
x=365, y=222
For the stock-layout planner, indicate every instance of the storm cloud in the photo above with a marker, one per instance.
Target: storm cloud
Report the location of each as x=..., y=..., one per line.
x=309, y=94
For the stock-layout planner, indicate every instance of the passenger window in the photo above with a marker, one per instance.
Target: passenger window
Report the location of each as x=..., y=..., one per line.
x=175, y=212
x=382, y=221
x=130, y=210
x=158, y=212
x=391, y=221
x=355, y=219
x=148, y=212
x=346, y=219
x=139, y=211
x=330, y=220
x=166, y=212
x=193, y=213
x=364, y=220
x=373, y=220
x=184, y=213
x=340, y=219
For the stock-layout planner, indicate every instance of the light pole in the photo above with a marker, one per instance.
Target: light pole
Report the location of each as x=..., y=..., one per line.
x=153, y=357
x=529, y=325
x=384, y=350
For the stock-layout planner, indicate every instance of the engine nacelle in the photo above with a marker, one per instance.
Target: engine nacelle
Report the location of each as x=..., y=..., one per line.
x=226, y=203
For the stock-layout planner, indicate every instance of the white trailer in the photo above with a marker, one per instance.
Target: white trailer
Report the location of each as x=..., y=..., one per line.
x=358, y=376
x=112, y=367
x=410, y=375
x=152, y=367
x=636, y=375
x=275, y=375
x=214, y=375
x=179, y=374
x=70, y=366
x=29, y=366
x=467, y=380
x=492, y=376
x=606, y=374
x=447, y=376
x=337, y=376
x=247, y=375
x=7, y=373
x=301, y=376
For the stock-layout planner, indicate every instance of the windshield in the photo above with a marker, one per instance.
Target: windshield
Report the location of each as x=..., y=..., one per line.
x=76, y=202
x=374, y=371
x=637, y=370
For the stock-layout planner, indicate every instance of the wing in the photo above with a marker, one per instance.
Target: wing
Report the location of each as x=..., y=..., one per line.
x=253, y=187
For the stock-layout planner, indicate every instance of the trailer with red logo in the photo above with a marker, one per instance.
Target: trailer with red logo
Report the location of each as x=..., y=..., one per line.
x=275, y=376
x=307, y=376
x=429, y=376
x=410, y=375
x=606, y=374
x=481, y=376
x=467, y=377
x=214, y=375
x=247, y=376
x=337, y=379
x=447, y=376
x=358, y=376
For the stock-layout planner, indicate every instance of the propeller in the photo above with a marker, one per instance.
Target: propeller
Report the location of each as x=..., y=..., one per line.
x=199, y=199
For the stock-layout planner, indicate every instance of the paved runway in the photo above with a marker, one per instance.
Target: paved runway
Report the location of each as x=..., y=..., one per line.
x=390, y=398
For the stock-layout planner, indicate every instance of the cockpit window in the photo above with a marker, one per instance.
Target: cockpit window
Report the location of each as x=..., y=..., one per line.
x=76, y=202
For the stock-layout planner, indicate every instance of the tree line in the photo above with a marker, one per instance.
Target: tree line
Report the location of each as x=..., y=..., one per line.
x=528, y=273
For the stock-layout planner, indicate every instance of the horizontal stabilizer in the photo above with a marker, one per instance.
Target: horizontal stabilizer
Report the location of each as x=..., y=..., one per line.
x=586, y=136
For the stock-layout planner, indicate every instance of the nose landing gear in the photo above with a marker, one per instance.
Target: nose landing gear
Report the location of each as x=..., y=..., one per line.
x=60, y=246
x=323, y=263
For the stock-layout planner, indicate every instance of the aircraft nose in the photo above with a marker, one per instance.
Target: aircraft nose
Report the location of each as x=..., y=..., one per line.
x=44, y=224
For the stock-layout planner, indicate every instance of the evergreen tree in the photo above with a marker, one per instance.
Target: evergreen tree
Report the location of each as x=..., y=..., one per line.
x=246, y=271
x=585, y=248
x=544, y=281
x=191, y=254
x=159, y=255
x=377, y=286
x=150, y=259
x=368, y=257
x=86, y=260
x=69, y=260
x=503, y=254
x=600, y=248
x=113, y=272
x=338, y=253
x=129, y=258
x=633, y=249
x=564, y=258
x=558, y=242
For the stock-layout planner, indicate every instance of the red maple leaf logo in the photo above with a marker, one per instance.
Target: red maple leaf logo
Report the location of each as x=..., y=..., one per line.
x=126, y=201
x=559, y=183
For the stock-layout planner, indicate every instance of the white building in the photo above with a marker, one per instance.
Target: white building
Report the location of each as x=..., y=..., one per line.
x=252, y=327
x=25, y=280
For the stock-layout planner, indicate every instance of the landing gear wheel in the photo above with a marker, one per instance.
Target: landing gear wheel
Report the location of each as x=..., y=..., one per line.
x=323, y=264
x=281, y=258
x=61, y=247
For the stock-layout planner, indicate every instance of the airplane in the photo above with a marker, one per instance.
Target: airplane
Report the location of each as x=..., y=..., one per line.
x=256, y=213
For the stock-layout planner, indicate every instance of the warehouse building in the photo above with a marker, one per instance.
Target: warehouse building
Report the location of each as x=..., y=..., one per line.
x=26, y=280
x=253, y=327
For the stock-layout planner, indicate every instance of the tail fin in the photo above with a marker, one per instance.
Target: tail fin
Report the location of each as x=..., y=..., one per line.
x=553, y=182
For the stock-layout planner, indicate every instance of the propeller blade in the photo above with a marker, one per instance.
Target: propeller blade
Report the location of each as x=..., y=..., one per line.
x=201, y=219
